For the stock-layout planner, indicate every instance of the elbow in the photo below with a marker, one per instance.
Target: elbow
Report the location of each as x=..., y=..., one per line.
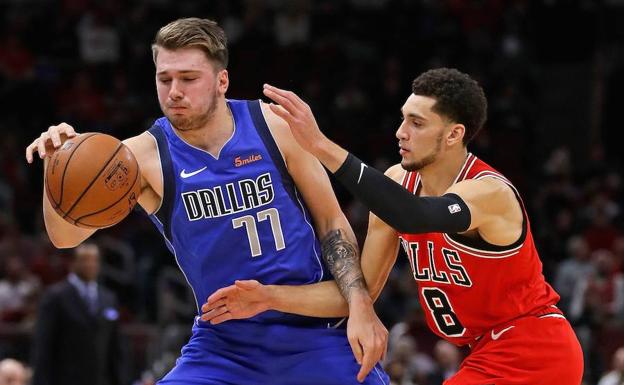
x=63, y=243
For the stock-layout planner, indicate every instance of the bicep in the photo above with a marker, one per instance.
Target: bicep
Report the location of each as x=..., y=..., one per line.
x=494, y=208
x=145, y=151
x=482, y=199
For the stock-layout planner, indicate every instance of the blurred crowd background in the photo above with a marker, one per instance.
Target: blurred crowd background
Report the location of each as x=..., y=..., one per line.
x=552, y=71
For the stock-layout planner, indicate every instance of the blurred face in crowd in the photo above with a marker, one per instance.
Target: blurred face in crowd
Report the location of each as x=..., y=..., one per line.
x=86, y=264
x=446, y=354
x=423, y=134
x=618, y=360
x=189, y=87
x=578, y=248
x=14, y=268
x=604, y=262
x=12, y=372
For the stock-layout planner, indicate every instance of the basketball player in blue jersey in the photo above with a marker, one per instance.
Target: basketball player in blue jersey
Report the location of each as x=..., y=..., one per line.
x=235, y=197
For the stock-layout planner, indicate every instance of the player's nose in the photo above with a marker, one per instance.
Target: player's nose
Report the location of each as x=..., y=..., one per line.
x=175, y=93
x=400, y=133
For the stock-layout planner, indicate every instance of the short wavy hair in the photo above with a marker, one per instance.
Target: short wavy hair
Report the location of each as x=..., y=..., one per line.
x=194, y=32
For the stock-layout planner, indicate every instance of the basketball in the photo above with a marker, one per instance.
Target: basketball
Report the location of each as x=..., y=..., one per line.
x=93, y=180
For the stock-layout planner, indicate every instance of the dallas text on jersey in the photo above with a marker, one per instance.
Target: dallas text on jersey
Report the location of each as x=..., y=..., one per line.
x=229, y=199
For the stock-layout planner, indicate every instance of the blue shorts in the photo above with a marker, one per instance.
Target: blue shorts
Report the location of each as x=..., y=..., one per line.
x=249, y=353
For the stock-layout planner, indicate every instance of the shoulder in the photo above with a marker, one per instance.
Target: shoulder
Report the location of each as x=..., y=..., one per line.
x=395, y=172
x=281, y=132
x=488, y=189
x=271, y=118
x=141, y=145
x=277, y=125
x=145, y=150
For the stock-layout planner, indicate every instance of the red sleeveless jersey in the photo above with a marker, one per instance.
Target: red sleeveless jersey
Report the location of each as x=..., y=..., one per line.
x=467, y=286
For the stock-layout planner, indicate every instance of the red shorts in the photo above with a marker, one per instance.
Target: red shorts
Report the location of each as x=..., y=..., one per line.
x=527, y=351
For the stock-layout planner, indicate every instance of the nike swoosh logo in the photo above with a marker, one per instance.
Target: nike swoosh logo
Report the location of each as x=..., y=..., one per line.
x=185, y=175
x=496, y=336
x=362, y=166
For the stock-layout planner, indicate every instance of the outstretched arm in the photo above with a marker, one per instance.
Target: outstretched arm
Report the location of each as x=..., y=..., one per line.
x=62, y=234
x=245, y=299
x=482, y=205
x=339, y=247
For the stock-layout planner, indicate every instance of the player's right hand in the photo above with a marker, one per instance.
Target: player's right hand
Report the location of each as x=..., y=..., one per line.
x=242, y=300
x=49, y=141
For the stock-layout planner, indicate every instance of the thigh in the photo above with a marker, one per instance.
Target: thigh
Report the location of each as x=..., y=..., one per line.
x=321, y=356
x=334, y=366
x=532, y=351
x=208, y=360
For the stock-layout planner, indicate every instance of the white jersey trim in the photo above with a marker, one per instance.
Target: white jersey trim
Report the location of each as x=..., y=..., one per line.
x=552, y=316
x=224, y=144
x=404, y=178
x=465, y=169
x=175, y=256
x=162, y=174
x=379, y=375
x=482, y=253
x=299, y=200
x=479, y=252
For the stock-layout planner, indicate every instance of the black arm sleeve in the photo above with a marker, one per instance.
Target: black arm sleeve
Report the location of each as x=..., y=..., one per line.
x=396, y=206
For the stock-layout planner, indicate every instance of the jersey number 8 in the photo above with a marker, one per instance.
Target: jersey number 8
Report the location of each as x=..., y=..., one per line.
x=442, y=311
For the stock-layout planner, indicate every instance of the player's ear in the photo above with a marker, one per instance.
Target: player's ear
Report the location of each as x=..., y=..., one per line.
x=455, y=134
x=223, y=81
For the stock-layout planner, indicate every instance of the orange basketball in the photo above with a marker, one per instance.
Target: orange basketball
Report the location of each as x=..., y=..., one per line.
x=93, y=180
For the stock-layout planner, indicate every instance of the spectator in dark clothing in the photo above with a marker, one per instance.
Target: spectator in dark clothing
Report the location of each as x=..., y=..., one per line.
x=77, y=338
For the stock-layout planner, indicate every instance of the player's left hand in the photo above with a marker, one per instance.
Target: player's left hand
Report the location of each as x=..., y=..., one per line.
x=244, y=299
x=304, y=128
x=367, y=335
x=297, y=114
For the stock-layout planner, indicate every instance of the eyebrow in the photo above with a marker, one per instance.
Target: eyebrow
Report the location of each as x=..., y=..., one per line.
x=181, y=72
x=413, y=115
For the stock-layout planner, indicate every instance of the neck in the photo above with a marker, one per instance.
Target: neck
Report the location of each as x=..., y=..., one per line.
x=214, y=133
x=437, y=177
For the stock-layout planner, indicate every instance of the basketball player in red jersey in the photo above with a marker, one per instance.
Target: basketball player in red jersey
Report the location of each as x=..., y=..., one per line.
x=465, y=231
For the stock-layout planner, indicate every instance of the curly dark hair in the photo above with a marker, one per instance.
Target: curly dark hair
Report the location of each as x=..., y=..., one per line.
x=458, y=98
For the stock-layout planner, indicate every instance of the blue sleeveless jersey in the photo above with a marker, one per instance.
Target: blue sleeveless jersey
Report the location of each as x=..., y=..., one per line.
x=237, y=215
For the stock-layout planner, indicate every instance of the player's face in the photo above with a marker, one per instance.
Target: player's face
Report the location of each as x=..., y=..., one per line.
x=420, y=133
x=189, y=87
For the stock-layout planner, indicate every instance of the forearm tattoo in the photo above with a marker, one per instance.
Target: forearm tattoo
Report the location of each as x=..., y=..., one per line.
x=343, y=259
